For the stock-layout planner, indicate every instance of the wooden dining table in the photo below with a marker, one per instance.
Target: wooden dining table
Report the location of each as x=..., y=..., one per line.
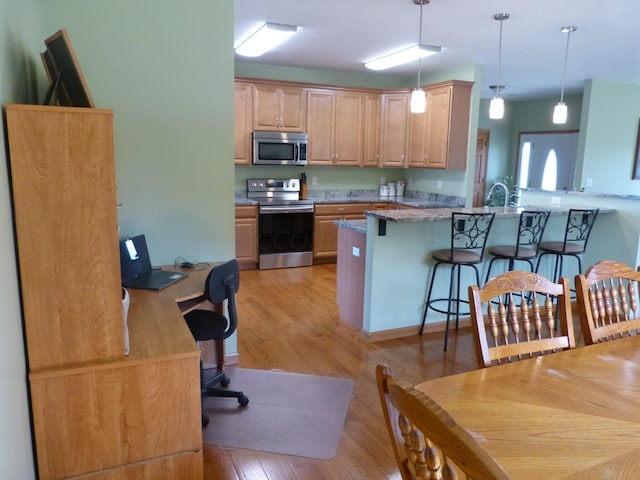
x=568, y=415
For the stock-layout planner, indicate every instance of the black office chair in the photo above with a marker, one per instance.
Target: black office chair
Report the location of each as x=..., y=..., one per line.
x=206, y=322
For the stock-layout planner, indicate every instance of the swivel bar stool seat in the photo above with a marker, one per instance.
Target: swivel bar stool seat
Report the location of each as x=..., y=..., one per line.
x=576, y=235
x=530, y=229
x=469, y=232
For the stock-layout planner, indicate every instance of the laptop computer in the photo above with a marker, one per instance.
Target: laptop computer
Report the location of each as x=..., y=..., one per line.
x=135, y=266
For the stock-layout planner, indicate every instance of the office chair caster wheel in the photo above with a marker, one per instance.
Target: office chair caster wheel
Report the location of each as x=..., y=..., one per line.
x=225, y=381
x=205, y=420
x=243, y=401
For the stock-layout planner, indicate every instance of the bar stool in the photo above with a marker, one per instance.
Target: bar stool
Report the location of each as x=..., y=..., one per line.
x=469, y=232
x=530, y=229
x=576, y=235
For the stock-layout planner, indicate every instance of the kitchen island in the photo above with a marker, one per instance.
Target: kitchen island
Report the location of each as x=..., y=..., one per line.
x=392, y=250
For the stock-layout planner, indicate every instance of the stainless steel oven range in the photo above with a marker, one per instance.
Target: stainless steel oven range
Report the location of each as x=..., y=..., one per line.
x=285, y=223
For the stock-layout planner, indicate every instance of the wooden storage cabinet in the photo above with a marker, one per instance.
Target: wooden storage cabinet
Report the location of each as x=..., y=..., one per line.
x=335, y=122
x=247, y=236
x=439, y=137
x=372, y=130
x=95, y=411
x=279, y=107
x=394, y=129
x=325, y=232
x=243, y=122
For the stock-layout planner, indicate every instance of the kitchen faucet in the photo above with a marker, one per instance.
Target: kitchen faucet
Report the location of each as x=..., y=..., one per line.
x=504, y=188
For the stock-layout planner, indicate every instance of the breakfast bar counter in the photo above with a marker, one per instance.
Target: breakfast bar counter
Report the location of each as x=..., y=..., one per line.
x=384, y=264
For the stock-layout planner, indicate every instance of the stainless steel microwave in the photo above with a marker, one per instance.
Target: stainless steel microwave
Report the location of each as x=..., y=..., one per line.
x=279, y=148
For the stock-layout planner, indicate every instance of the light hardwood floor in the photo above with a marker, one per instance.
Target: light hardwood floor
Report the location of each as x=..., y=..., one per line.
x=289, y=321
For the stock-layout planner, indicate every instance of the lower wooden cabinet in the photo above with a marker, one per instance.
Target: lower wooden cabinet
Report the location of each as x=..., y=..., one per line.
x=247, y=236
x=325, y=231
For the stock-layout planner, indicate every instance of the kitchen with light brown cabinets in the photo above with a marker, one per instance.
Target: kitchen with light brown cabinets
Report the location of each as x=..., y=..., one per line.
x=335, y=124
x=438, y=138
x=247, y=236
x=279, y=107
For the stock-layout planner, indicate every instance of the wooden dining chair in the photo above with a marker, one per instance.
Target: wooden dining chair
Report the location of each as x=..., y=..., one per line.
x=517, y=314
x=427, y=442
x=607, y=296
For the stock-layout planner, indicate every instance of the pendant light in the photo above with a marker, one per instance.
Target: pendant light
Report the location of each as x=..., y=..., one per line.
x=418, y=97
x=496, y=107
x=560, y=110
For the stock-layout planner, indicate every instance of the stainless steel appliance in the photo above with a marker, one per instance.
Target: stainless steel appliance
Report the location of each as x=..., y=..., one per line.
x=279, y=148
x=285, y=223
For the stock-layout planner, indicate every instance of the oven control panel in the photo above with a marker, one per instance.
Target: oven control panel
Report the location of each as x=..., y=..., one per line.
x=273, y=185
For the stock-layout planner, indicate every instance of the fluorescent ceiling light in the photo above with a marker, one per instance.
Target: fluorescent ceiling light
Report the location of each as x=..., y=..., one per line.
x=267, y=37
x=410, y=54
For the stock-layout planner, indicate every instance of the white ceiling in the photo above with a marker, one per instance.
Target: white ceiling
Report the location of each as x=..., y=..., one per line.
x=341, y=35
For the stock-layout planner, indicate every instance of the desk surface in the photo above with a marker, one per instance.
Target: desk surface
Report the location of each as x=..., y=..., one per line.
x=570, y=415
x=157, y=312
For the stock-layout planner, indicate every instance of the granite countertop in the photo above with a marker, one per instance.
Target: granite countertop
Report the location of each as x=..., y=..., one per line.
x=428, y=215
x=411, y=199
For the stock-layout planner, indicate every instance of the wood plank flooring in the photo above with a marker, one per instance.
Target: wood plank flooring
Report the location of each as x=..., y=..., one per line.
x=289, y=321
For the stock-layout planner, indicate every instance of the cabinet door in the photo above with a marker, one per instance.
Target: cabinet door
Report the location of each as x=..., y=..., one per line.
x=417, y=137
x=64, y=193
x=266, y=107
x=321, y=126
x=247, y=236
x=243, y=123
x=372, y=130
x=349, y=129
x=437, y=131
x=293, y=109
x=395, y=111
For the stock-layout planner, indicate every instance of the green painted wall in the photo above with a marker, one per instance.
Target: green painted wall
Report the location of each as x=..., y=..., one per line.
x=166, y=69
x=21, y=33
x=610, y=127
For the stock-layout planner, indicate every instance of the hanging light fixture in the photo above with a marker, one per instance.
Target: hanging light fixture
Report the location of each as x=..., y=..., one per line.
x=418, y=97
x=560, y=110
x=496, y=107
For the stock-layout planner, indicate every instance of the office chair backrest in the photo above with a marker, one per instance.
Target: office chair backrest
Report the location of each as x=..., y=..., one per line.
x=222, y=284
x=579, y=225
x=607, y=297
x=469, y=231
x=426, y=441
x=520, y=319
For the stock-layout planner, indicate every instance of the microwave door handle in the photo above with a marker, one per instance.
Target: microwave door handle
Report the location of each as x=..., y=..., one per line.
x=296, y=152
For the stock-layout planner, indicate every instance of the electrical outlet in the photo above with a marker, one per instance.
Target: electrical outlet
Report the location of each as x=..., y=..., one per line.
x=439, y=184
x=589, y=182
x=382, y=180
x=314, y=180
x=556, y=200
x=355, y=251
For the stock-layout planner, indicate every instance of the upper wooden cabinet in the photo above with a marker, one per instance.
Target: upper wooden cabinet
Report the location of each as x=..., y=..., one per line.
x=439, y=137
x=371, y=130
x=279, y=107
x=335, y=123
x=243, y=122
x=394, y=129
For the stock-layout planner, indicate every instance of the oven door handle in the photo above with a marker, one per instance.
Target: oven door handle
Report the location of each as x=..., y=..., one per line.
x=286, y=209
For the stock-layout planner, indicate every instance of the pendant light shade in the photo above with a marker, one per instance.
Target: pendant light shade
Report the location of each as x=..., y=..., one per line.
x=418, y=97
x=496, y=107
x=560, y=110
x=418, y=101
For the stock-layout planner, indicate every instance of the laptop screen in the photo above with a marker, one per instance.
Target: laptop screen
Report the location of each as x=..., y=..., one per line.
x=134, y=258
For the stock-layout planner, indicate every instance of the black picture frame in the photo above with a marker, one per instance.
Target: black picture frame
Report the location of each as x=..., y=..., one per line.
x=635, y=174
